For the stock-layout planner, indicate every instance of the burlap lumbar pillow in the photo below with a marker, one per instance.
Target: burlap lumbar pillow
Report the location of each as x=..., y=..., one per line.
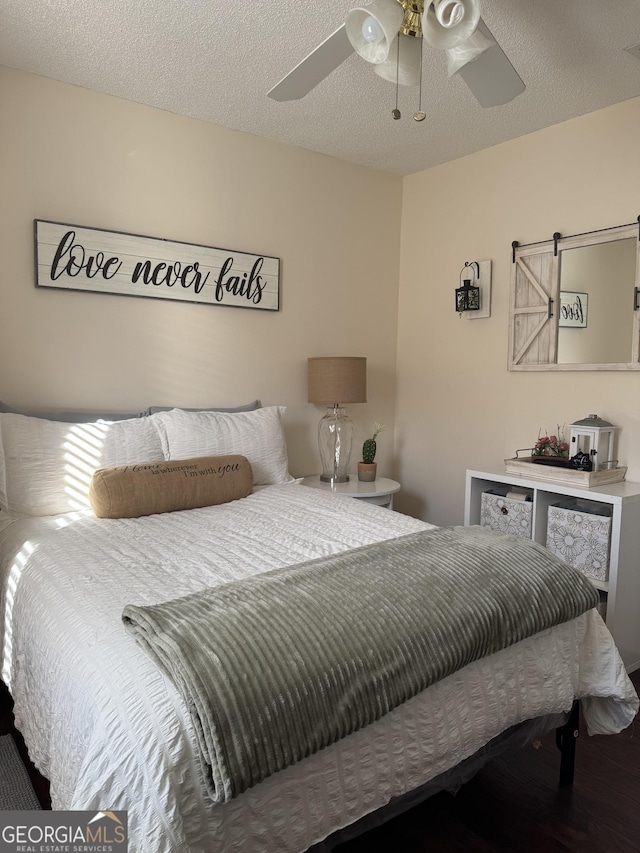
x=130, y=491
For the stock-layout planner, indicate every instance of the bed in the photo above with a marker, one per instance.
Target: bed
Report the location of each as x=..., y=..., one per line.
x=110, y=730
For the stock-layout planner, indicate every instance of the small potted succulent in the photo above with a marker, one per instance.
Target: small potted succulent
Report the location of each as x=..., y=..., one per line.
x=367, y=468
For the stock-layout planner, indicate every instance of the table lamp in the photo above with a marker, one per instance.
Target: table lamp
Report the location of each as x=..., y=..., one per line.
x=334, y=381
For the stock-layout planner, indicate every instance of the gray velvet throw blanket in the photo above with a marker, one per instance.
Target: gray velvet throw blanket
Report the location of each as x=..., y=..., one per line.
x=277, y=666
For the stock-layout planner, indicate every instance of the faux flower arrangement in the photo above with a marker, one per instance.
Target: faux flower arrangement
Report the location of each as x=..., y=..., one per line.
x=551, y=445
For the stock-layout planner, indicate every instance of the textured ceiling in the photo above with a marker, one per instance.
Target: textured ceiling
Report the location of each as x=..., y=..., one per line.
x=216, y=61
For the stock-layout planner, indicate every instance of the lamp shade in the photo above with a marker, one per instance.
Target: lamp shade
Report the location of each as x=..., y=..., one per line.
x=467, y=51
x=447, y=23
x=334, y=380
x=372, y=29
x=404, y=63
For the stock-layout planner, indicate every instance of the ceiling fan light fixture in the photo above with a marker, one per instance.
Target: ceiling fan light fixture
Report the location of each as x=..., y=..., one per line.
x=372, y=32
x=396, y=28
x=449, y=13
x=381, y=21
x=405, y=68
x=464, y=53
x=447, y=23
x=412, y=19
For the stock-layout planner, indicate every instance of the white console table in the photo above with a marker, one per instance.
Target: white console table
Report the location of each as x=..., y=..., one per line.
x=622, y=590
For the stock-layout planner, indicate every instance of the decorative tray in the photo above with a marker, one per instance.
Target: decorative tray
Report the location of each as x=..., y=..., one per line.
x=560, y=474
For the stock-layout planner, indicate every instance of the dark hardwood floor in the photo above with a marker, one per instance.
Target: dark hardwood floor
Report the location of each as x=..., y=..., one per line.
x=514, y=804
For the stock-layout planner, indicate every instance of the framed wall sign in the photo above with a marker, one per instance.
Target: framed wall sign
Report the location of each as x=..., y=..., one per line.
x=71, y=257
x=573, y=309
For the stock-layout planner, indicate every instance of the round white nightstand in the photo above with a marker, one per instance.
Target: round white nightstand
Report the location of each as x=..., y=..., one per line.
x=380, y=491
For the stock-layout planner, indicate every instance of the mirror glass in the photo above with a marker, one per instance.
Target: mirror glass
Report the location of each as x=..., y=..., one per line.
x=595, y=315
x=574, y=302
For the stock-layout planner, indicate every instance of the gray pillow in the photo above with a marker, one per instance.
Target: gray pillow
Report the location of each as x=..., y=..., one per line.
x=248, y=407
x=71, y=417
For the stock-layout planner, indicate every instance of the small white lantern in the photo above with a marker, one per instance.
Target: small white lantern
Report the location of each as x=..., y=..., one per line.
x=593, y=436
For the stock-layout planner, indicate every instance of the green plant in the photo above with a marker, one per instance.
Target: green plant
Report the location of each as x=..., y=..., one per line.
x=369, y=447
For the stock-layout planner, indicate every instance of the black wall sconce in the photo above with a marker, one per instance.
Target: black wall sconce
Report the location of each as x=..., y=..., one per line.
x=468, y=294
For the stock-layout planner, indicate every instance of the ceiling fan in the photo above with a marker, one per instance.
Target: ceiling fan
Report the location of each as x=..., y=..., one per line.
x=389, y=34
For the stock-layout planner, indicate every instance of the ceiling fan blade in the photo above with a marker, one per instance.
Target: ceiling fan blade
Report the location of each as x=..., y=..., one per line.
x=491, y=77
x=314, y=68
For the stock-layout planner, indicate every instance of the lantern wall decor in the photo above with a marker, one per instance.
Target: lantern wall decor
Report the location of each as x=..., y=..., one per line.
x=473, y=296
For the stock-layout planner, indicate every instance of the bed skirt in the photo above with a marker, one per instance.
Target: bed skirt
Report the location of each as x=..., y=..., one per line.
x=517, y=737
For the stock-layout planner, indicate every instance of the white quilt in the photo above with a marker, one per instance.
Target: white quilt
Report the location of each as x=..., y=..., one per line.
x=110, y=732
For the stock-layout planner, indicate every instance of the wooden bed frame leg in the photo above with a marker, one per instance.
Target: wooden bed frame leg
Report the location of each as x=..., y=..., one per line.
x=566, y=737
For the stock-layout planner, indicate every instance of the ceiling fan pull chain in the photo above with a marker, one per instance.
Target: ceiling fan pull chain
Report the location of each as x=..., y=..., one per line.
x=396, y=112
x=420, y=115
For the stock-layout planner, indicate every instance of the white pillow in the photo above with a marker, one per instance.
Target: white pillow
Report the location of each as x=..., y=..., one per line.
x=46, y=466
x=258, y=435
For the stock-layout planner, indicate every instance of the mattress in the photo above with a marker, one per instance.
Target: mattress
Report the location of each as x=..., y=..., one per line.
x=109, y=731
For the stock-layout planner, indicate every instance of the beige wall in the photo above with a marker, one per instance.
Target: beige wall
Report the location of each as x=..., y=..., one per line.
x=457, y=406
x=88, y=159
x=73, y=156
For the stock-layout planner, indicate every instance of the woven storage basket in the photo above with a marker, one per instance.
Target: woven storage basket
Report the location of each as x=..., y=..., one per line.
x=579, y=532
x=505, y=514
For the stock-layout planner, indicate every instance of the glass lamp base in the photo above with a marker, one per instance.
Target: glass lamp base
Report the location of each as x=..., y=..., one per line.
x=326, y=478
x=335, y=432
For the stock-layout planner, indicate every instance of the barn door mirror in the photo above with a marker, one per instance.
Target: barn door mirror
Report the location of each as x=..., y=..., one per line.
x=574, y=302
